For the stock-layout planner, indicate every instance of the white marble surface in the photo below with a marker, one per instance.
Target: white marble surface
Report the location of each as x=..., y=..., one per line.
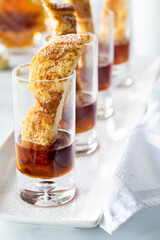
x=142, y=226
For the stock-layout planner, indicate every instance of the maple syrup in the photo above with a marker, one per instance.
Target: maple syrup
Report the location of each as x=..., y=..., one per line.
x=104, y=73
x=121, y=51
x=85, y=113
x=46, y=162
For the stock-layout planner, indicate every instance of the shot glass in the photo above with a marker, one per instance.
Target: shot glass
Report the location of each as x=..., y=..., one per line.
x=122, y=32
x=105, y=40
x=103, y=28
x=86, y=98
x=45, y=172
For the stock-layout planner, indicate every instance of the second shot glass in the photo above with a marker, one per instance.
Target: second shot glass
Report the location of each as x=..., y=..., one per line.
x=103, y=27
x=86, y=98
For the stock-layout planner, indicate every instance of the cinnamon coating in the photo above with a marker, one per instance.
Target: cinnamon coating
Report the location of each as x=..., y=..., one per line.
x=62, y=17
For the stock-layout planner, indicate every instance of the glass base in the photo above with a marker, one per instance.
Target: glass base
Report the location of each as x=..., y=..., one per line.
x=46, y=192
x=120, y=75
x=105, y=104
x=86, y=143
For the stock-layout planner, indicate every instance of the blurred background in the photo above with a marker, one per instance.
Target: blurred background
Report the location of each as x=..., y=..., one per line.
x=145, y=21
x=145, y=41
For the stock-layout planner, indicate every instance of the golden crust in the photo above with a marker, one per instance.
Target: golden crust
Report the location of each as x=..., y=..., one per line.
x=41, y=122
x=83, y=14
x=56, y=60
x=62, y=17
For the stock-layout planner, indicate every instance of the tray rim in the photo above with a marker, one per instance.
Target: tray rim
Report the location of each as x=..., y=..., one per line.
x=57, y=223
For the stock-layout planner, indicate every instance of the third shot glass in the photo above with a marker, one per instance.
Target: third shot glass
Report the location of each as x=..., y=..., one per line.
x=105, y=60
x=122, y=32
x=103, y=28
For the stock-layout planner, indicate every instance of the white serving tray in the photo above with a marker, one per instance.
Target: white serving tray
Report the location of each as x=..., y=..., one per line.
x=93, y=173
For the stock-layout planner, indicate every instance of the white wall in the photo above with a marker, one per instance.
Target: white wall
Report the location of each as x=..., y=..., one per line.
x=145, y=27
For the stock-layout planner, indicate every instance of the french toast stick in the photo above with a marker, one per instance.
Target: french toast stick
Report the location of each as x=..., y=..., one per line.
x=56, y=60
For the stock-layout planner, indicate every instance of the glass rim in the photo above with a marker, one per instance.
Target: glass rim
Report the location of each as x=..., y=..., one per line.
x=14, y=73
x=94, y=39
